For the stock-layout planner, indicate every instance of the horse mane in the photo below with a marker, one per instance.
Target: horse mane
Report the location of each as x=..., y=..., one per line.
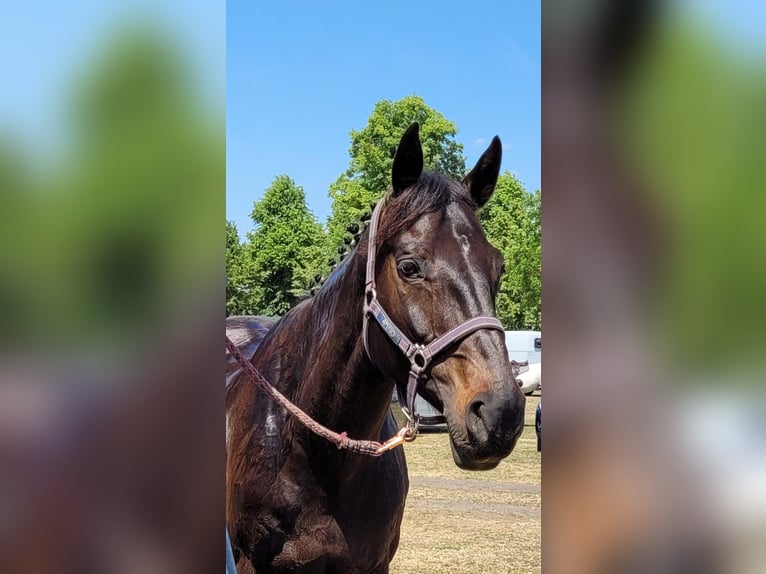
x=432, y=192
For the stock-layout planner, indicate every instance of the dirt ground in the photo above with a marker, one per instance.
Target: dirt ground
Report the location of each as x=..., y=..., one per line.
x=458, y=521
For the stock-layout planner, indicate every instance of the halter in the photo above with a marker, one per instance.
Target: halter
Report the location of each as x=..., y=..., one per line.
x=420, y=356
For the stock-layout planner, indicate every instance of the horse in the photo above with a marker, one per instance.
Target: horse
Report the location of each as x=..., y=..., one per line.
x=295, y=502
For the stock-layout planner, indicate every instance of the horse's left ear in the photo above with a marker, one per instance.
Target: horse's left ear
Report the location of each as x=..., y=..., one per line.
x=408, y=161
x=481, y=180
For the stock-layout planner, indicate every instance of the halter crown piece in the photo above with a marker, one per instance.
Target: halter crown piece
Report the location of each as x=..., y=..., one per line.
x=420, y=356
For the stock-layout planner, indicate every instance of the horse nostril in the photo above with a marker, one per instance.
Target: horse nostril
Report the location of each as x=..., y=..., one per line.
x=476, y=409
x=475, y=421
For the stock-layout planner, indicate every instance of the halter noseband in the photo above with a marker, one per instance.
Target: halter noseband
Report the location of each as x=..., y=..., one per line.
x=420, y=356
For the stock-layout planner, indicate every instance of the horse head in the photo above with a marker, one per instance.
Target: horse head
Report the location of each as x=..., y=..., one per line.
x=434, y=270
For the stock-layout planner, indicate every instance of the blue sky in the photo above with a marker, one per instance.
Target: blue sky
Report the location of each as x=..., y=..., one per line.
x=300, y=75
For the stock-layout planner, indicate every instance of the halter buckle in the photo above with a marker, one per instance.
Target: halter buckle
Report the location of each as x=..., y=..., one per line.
x=370, y=295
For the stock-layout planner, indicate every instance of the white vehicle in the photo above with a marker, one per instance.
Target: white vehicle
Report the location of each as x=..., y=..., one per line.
x=529, y=380
x=526, y=346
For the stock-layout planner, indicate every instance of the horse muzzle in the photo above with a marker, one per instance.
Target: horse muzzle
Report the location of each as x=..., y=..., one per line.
x=493, y=424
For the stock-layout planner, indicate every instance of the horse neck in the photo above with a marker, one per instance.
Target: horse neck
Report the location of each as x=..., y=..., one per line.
x=339, y=385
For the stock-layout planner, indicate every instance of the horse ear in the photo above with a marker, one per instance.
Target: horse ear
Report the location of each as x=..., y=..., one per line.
x=408, y=161
x=481, y=180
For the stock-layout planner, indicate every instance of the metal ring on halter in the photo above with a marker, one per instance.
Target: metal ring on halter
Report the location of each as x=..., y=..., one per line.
x=418, y=358
x=410, y=430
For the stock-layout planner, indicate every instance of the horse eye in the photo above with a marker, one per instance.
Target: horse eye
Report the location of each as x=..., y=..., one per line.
x=409, y=269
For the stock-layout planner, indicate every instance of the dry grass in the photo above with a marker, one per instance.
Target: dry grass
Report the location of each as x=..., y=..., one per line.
x=457, y=521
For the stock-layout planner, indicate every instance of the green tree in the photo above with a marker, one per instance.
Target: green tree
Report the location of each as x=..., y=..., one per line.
x=372, y=152
x=285, y=250
x=511, y=220
x=241, y=290
x=350, y=202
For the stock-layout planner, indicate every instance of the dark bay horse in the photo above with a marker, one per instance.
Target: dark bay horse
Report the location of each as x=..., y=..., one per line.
x=295, y=503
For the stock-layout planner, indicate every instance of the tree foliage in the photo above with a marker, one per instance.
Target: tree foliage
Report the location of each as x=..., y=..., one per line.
x=283, y=252
x=372, y=152
x=373, y=147
x=511, y=220
x=241, y=290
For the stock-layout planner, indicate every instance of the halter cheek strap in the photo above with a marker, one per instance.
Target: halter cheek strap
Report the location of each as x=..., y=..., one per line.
x=420, y=356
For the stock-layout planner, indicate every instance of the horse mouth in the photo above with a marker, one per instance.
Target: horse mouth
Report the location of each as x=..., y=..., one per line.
x=471, y=454
x=466, y=462
x=484, y=431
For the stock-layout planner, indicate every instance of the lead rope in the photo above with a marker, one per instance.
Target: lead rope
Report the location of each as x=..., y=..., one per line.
x=341, y=440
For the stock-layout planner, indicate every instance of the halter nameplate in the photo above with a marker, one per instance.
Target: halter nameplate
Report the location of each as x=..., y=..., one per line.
x=388, y=326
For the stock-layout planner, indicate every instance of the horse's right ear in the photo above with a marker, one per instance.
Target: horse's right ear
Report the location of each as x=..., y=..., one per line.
x=408, y=161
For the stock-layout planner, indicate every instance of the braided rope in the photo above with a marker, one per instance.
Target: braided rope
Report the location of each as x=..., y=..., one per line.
x=341, y=440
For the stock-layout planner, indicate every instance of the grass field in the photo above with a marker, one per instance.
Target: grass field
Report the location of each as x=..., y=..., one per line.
x=458, y=521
